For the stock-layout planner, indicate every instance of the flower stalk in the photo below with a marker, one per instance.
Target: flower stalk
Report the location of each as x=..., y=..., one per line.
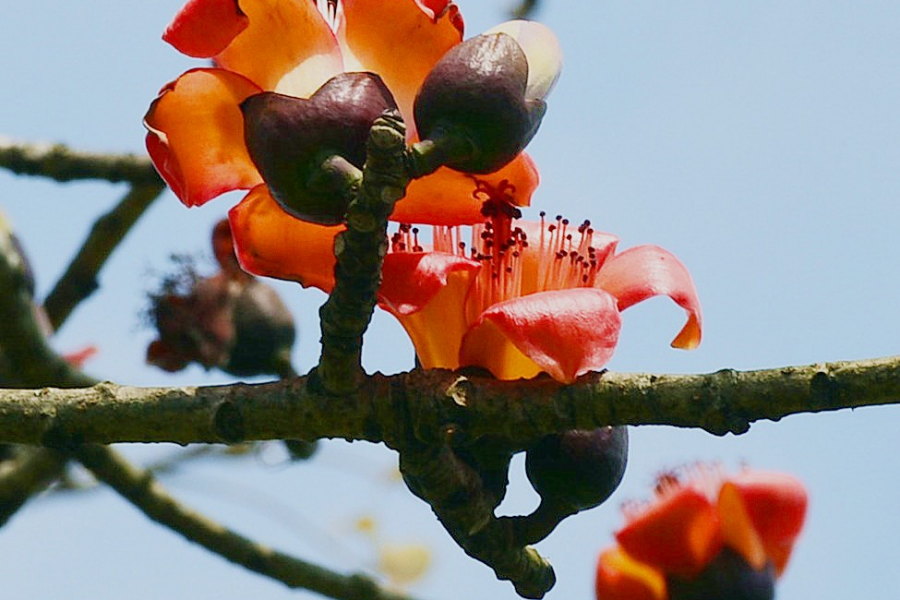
x=360, y=253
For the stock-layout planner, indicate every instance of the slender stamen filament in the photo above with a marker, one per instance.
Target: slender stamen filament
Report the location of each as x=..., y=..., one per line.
x=564, y=258
x=328, y=9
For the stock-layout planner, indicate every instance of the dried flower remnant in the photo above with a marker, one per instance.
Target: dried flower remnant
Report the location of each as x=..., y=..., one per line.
x=229, y=321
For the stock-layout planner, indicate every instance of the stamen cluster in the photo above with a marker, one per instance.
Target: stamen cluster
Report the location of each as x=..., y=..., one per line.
x=565, y=256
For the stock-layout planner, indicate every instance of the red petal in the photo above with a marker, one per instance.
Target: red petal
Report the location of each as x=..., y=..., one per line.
x=203, y=28
x=401, y=40
x=645, y=271
x=79, y=357
x=678, y=534
x=451, y=198
x=620, y=577
x=196, y=135
x=287, y=47
x=427, y=293
x=564, y=333
x=776, y=504
x=271, y=243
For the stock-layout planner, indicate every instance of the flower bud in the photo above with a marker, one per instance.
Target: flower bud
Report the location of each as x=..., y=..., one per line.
x=542, y=52
x=578, y=469
x=309, y=151
x=483, y=101
x=727, y=577
x=263, y=332
x=301, y=449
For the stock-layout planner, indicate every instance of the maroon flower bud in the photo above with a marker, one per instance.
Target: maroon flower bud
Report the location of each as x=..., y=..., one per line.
x=727, y=577
x=480, y=105
x=578, y=469
x=263, y=332
x=309, y=151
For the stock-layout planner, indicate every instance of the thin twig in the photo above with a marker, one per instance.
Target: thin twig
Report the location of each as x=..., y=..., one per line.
x=80, y=279
x=61, y=163
x=24, y=475
x=28, y=359
x=141, y=489
x=525, y=9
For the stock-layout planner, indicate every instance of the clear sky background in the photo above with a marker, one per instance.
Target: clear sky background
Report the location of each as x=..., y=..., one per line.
x=758, y=141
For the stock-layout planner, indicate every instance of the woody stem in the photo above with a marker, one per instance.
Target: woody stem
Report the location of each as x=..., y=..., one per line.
x=360, y=253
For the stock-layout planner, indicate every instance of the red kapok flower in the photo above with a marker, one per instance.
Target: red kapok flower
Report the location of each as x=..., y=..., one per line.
x=707, y=536
x=517, y=299
x=196, y=128
x=522, y=297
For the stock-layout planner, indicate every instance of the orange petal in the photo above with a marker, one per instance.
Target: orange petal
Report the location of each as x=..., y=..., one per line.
x=271, y=243
x=620, y=577
x=427, y=293
x=645, y=271
x=564, y=333
x=451, y=198
x=195, y=135
x=287, y=47
x=401, y=40
x=678, y=534
x=738, y=532
x=203, y=28
x=776, y=505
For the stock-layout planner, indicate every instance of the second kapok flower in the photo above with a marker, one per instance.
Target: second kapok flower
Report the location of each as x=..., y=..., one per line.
x=323, y=70
x=705, y=536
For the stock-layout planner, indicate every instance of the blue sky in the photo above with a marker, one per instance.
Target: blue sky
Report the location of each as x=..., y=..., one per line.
x=759, y=142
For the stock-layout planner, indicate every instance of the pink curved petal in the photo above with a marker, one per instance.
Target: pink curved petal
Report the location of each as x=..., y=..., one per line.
x=195, y=135
x=564, y=333
x=287, y=47
x=411, y=279
x=452, y=198
x=401, y=40
x=645, y=271
x=203, y=28
x=271, y=243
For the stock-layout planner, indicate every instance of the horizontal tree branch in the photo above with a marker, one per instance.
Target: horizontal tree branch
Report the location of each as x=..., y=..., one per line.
x=141, y=489
x=428, y=404
x=60, y=163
